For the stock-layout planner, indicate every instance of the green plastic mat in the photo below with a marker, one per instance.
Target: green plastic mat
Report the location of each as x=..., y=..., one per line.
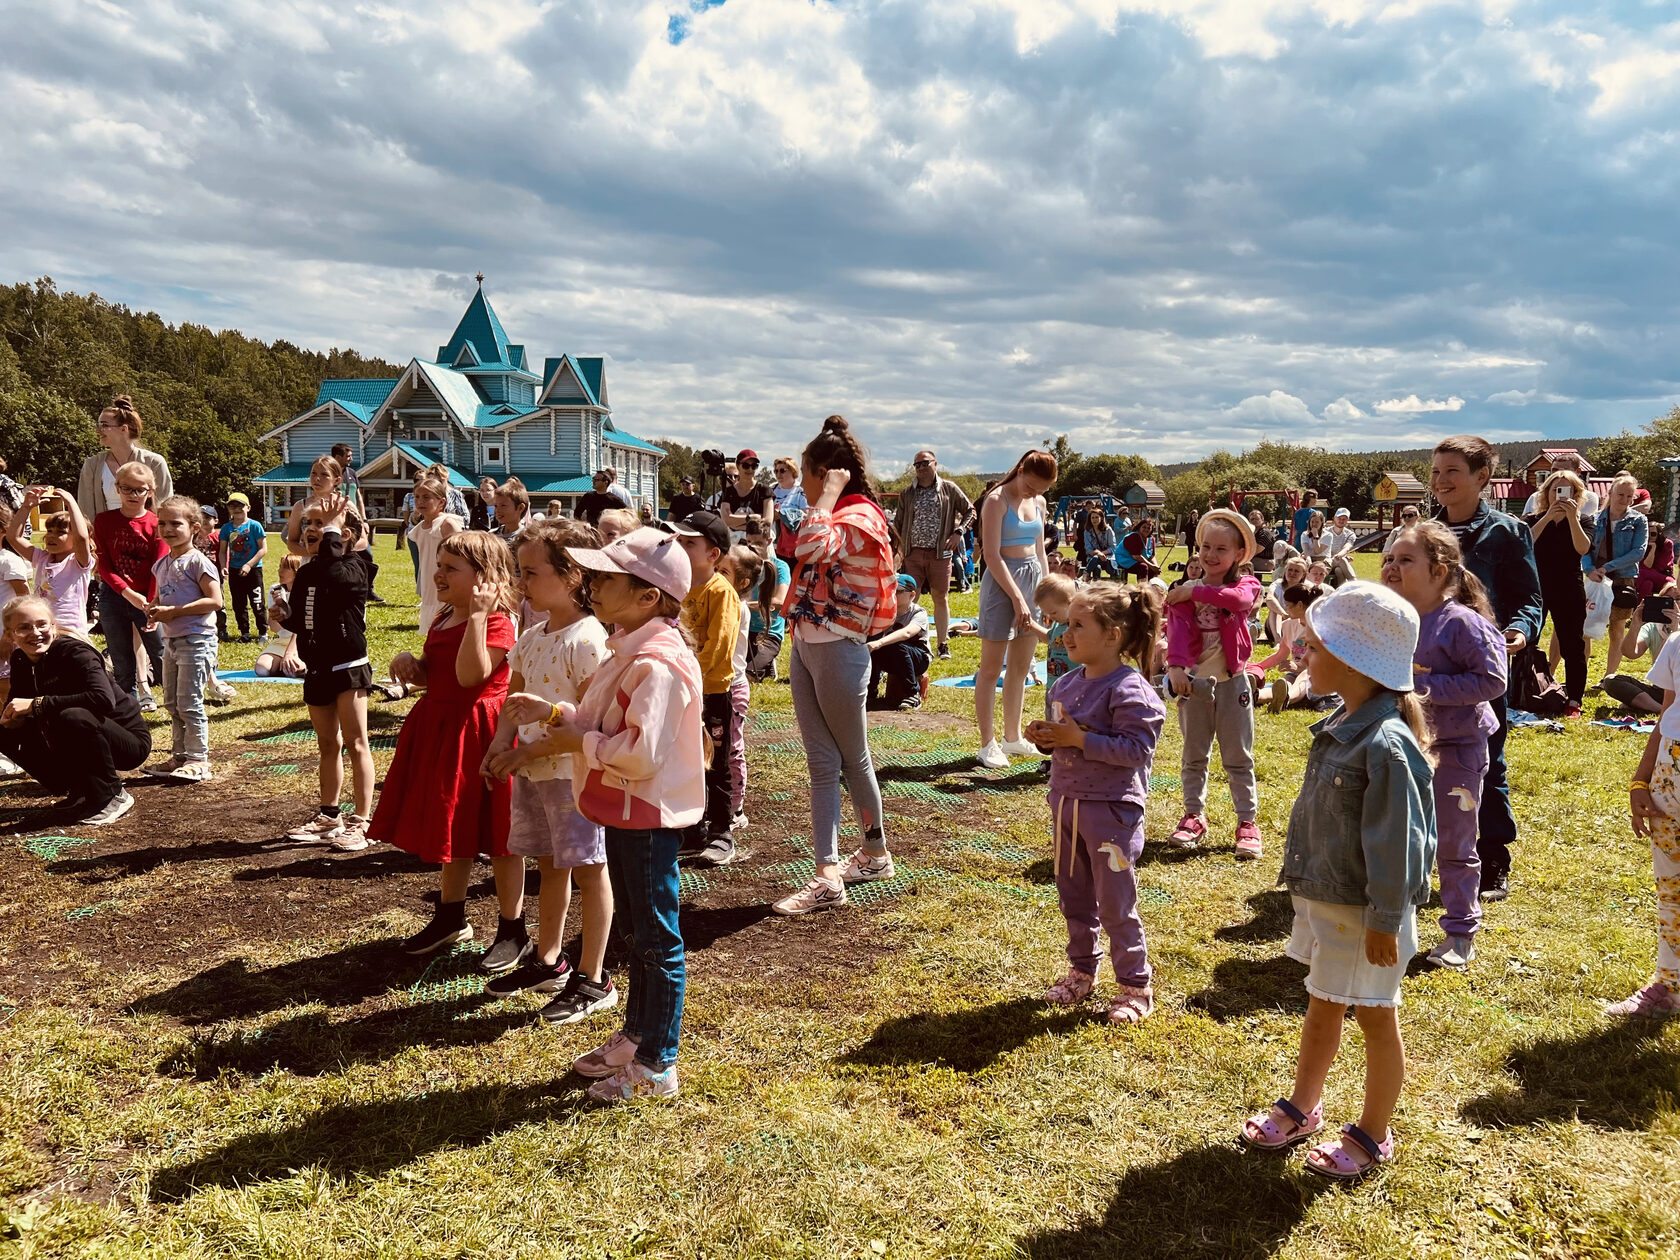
x=691, y=882
x=287, y=737
x=979, y=842
x=284, y=768
x=450, y=977
x=1168, y=781
x=1154, y=897
x=87, y=912
x=51, y=848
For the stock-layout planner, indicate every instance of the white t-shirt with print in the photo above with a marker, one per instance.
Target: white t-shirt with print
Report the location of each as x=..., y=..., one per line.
x=1665, y=673
x=556, y=666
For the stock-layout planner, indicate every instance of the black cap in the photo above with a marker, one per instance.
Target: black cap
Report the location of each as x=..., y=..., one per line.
x=707, y=525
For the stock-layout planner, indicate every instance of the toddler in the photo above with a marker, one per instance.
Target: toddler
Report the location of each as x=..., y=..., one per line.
x=188, y=597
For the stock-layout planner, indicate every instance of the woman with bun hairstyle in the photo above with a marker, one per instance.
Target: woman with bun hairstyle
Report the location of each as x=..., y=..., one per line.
x=119, y=427
x=844, y=592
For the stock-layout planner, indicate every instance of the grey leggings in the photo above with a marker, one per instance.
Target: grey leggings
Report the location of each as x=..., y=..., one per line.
x=830, y=682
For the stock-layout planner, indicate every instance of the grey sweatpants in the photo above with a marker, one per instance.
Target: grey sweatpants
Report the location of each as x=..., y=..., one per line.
x=1229, y=717
x=830, y=682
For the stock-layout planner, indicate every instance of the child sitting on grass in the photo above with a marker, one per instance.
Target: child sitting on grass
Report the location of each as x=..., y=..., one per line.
x=1106, y=720
x=638, y=755
x=280, y=658
x=900, y=654
x=1356, y=861
x=189, y=595
x=555, y=659
x=1293, y=690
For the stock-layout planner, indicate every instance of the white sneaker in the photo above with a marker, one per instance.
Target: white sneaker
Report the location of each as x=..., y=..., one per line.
x=1020, y=748
x=9, y=769
x=992, y=757
x=353, y=838
x=1455, y=953
x=112, y=810
x=739, y=823
x=320, y=827
x=862, y=868
x=818, y=894
x=221, y=692
x=607, y=1059
x=635, y=1080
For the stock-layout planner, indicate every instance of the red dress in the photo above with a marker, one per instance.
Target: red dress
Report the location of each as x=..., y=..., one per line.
x=434, y=804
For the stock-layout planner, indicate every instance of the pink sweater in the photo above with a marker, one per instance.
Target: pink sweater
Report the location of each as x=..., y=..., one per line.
x=642, y=765
x=1235, y=602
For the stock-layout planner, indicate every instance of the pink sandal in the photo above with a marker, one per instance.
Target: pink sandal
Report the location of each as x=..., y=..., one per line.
x=1284, y=1126
x=1071, y=989
x=1132, y=1005
x=1332, y=1160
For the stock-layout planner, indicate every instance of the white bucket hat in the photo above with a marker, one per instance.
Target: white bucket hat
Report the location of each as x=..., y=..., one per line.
x=1369, y=628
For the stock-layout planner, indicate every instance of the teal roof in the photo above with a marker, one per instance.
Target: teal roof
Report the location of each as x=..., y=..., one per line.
x=488, y=418
x=631, y=440
x=590, y=371
x=353, y=394
x=293, y=474
x=565, y=485
x=480, y=329
x=454, y=389
x=591, y=385
x=456, y=476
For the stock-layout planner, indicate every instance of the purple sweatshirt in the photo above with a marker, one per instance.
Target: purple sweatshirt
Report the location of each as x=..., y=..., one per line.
x=1462, y=664
x=1122, y=717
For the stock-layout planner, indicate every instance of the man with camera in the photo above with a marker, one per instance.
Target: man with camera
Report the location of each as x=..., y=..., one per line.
x=932, y=513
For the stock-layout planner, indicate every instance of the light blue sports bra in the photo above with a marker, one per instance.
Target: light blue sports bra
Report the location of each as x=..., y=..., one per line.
x=1018, y=533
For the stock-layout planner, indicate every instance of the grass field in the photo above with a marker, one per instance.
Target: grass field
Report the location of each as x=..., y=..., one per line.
x=208, y=1046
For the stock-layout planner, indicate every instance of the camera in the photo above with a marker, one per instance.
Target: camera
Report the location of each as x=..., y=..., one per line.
x=713, y=461
x=1564, y=494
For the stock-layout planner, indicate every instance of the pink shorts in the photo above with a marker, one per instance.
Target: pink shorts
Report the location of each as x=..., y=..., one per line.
x=544, y=822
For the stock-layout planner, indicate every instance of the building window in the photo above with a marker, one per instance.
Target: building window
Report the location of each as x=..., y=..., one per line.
x=493, y=453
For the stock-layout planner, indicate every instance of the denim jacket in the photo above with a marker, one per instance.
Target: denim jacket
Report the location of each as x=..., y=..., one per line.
x=1363, y=829
x=1499, y=550
x=1628, y=537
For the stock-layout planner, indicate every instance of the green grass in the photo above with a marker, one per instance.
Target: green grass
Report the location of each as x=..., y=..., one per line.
x=900, y=1092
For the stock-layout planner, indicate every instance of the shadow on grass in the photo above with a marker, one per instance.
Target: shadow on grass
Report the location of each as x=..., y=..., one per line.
x=1274, y=913
x=964, y=1041
x=312, y=1044
x=375, y=863
x=370, y=1138
x=233, y=990
x=1212, y=1201
x=1242, y=986
x=104, y=866
x=704, y=926
x=1616, y=1077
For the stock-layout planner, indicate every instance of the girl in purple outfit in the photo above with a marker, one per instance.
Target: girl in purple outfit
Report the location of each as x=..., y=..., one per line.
x=1460, y=665
x=1105, y=722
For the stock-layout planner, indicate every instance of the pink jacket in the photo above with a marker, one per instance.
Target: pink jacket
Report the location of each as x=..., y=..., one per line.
x=844, y=581
x=1235, y=602
x=642, y=765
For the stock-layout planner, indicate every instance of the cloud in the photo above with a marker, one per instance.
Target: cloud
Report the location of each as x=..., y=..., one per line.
x=1159, y=226
x=1412, y=404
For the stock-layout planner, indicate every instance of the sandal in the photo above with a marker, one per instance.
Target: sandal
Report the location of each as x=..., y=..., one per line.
x=392, y=690
x=1132, y=1005
x=1071, y=989
x=1267, y=1132
x=1332, y=1160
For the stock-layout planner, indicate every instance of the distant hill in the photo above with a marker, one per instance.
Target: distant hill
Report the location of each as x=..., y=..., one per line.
x=1512, y=454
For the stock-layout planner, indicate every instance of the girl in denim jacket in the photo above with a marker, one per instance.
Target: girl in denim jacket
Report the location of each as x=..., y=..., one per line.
x=1356, y=862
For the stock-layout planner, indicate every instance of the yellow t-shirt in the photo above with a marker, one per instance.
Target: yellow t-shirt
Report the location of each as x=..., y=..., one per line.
x=713, y=616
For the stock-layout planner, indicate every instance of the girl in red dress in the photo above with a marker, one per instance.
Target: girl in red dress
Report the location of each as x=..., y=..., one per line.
x=434, y=803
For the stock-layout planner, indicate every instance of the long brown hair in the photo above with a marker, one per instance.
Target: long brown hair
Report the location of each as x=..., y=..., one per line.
x=490, y=559
x=1136, y=614
x=836, y=446
x=1035, y=463
x=1440, y=547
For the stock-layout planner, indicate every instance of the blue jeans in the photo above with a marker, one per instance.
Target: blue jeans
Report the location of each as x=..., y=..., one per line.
x=1100, y=562
x=188, y=660
x=117, y=619
x=642, y=866
x=830, y=683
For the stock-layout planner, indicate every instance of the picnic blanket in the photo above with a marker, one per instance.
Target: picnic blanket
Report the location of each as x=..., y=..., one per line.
x=248, y=676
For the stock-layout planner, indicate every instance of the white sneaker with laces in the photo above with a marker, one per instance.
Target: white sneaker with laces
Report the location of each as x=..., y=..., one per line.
x=113, y=809
x=607, y=1059
x=992, y=757
x=819, y=894
x=1020, y=748
x=1455, y=953
x=862, y=868
x=320, y=827
x=353, y=839
x=635, y=1080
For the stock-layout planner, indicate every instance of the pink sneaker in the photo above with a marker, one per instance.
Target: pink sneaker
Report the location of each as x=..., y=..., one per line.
x=1248, y=841
x=1191, y=829
x=606, y=1059
x=1655, y=1001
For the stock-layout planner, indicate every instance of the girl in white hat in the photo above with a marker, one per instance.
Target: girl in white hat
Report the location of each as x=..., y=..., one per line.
x=1356, y=861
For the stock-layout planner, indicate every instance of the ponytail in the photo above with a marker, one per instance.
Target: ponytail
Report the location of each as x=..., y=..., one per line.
x=836, y=446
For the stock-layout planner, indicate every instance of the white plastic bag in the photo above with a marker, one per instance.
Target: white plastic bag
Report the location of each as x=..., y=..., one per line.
x=1599, y=596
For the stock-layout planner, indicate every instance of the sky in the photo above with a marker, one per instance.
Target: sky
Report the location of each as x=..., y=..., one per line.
x=1157, y=226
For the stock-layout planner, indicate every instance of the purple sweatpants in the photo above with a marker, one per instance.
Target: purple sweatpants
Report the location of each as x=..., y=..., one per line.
x=1459, y=770
x=739, y=693
x=1097, y=846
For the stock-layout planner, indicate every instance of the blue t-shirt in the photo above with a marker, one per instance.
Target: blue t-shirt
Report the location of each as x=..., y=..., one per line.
x=240, y=542
x=778, y=623
x=1056, y=659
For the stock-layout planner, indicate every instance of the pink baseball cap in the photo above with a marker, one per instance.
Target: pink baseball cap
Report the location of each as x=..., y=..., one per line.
x=652, y=554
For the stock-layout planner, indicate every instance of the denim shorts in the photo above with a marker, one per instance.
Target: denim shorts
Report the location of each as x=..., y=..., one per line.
x=997, y=611
x=1330, y=939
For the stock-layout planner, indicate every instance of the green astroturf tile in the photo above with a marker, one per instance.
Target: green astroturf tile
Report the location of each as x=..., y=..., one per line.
x=768, y=722
x=87, y=912
x=932, y=757
x=781, y=796
x=255, y=752
x=918, y=791
x=450, y=977
x=51, y=848
x=382, y=743
x=1168, y=781
x=286, y=768
x=788, y=748
x=690, y=882
x=1154, y=897
x=287, y=737
x=991, y=847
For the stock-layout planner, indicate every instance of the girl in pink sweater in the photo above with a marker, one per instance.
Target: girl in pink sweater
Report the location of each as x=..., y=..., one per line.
x=639, y=772
x=1208, y=650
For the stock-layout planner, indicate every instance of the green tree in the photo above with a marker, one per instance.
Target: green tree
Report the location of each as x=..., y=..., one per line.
x=1188, y=492
x=44, y=438
x=1105, y=474
x=218, y=461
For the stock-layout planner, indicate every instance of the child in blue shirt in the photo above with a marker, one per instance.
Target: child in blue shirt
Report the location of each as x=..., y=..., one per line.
x=1054, y=596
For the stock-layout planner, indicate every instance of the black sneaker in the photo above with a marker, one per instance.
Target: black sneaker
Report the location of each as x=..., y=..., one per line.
x=436, y=935
x=581, y=998
x=535, y=976
x=510, y=948
x=944, y=651
x=1498, y=888
x=719, y=851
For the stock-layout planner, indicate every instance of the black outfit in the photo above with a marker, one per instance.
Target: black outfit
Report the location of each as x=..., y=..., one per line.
x=683, y=506
x=478, y=516
x=81, y=732
x=749, y=504
x=591, y=505
x=247, y=591
x=1563, y=597
x=328, y=613
x=718, y=822
x=902, y=665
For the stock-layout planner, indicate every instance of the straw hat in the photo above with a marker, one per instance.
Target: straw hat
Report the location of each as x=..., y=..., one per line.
x=1236, y=520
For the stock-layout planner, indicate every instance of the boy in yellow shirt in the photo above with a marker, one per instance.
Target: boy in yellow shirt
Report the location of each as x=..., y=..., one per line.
x=712, y=613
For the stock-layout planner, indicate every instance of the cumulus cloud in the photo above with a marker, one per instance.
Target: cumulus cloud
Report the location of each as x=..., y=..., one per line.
x=1157, y=225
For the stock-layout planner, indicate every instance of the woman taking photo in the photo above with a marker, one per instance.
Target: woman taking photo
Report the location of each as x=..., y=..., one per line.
x=65, y=722
x=1314, y=545
x=1619, y=538
x=1099, y=545
x=1559, y=544
x=1012, y=519
x=844, y=591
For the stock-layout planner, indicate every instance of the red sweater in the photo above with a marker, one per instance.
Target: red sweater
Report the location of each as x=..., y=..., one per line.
x=128, y=548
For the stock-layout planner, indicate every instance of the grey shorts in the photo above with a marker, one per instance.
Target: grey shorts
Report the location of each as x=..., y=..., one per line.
x=545, y=823
x=997, y=612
